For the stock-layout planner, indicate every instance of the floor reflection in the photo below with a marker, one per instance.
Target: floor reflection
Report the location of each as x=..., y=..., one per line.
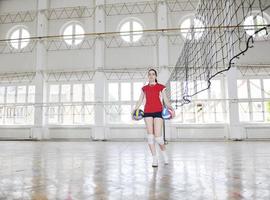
x=114, y=170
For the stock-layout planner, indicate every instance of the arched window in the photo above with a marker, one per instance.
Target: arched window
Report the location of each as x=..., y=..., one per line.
x=19, y=37
x=73, y=33
x=131, y=30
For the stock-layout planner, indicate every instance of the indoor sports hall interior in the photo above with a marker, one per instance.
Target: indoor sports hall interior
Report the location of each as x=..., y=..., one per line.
x=134, y=99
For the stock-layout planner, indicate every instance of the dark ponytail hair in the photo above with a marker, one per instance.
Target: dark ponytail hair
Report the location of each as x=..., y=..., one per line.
x=154, y=72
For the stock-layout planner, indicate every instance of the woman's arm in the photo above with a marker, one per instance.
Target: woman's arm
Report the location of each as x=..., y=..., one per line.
x=139, y=102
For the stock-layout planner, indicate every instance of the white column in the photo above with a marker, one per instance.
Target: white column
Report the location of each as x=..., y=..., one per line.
x=99, y=28
x=162, y=23
x=39, y=131
x=163, y=55
x=98, y=132
x=235, y=128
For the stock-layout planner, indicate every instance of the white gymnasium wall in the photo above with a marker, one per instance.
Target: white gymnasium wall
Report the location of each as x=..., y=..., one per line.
x=70, y=3
x=17, y=62
x=130, y=56
x=174, y=21
x=17, y=5
x=74, y=59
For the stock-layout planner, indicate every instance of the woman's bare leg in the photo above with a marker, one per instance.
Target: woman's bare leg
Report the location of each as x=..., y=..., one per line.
x=149, y=122
x=158, y=123
x=151, y=139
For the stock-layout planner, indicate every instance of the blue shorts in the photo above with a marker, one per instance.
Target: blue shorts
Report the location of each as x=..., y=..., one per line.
x=154, y=115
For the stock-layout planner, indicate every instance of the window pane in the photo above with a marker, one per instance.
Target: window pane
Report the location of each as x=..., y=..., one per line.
x=267, y=111
x=10, y=114
x=79, y=31
x=15, y=36
x=24, y=42
x=215, y=89
x=113, y=92
x=266, y=86
x=137, y=27
x=1, y=114
x=185, y=26
x=176, y=90
x=189, y=87
x=253, y=23
x=178, y=114
x=89, y=92
x=11, y=90
x=189, y=33
x=210, y=112
x=244, y=112
x=249, y=25
x=77, y=113
x=53, y=115
x=137, y=89
x=220, y=109
x=54, y=93
x=255, y=88
x=257, y=111
x=68, y=35
x=20, y=113
x=77, y=92
x=114, y=113
x=201, y=85
x=2, y=94
x=198, y=31
x=124, y=32
x=242, y=89
x=125, y=114
x=21, y=94
x=67, y=115
x=30, y=115
x=261, y=22
x=125, y=92
x=89, y=114
x=31, y=94
x=189, y=113
x=65, y=93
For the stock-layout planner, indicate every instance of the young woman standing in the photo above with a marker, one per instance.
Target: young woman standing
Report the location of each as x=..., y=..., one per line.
x=154, y=93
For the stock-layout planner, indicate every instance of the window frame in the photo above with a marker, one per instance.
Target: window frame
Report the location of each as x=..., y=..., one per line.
x=14, y=120
x=74, y=37
x=251, y=100
x=60, y=105
x=205, y=102
x=120, y=103
x=130, y=35
x=20, y=39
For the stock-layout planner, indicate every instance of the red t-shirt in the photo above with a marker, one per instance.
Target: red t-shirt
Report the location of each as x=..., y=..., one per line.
x=152, y=94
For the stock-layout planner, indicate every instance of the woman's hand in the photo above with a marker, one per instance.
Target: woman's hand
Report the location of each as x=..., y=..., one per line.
x=132, y=113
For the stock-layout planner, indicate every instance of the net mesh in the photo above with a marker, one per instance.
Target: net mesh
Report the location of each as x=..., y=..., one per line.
x=220, y=32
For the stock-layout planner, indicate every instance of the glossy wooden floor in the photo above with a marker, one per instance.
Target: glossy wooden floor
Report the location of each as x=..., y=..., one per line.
x=122, y=170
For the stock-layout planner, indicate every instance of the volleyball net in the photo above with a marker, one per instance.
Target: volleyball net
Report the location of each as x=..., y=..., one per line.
x=221, y=31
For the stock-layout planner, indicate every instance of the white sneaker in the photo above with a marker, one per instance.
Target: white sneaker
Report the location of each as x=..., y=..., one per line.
x=155, y=162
